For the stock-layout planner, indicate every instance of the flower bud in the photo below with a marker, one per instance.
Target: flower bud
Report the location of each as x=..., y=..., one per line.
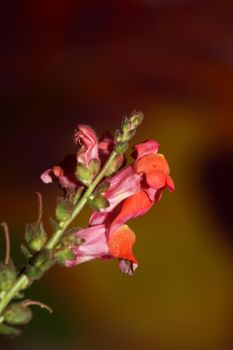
x=128, y=127
x=17, y=314
x=7, y=276
x=121, y=147
x=35, y=236
x=136, y=118
x=98, y=202
x=64, y=209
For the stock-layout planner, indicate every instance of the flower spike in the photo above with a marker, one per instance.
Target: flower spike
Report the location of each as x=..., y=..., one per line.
x=98, y=175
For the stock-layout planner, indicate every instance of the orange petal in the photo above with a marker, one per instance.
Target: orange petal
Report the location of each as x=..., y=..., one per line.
x=134, y=206
x=58, y=171
x=170, y=183
x=155, y=168
x=156, y=178
x=121, y=242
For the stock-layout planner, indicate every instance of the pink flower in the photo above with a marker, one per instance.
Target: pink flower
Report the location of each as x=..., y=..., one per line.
x=63, y=173
x=85, y=137
x=121, y=185
x=100, y=242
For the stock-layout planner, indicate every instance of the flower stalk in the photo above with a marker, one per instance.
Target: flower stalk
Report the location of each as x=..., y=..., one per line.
x=95, y=176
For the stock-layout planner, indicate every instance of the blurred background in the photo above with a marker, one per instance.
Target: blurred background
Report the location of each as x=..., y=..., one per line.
x=64, y=62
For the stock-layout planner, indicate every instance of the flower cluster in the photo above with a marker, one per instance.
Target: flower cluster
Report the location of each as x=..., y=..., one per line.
x=97, y=175
x=126, y=192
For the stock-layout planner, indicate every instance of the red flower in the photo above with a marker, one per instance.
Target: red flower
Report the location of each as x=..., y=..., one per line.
x=107, y=235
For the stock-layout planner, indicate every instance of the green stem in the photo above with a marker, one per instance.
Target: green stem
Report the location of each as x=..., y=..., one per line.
x=23, y=279
x=81, y=203
x=19, y=284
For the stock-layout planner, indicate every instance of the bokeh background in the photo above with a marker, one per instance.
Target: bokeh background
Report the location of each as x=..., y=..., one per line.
x=64, y=62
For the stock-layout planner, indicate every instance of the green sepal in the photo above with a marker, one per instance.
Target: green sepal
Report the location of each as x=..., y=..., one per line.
x=64, y=209
x=98, y=202
x=19, y=296
x=85, y=174
x=63, y=255
x=40, y=264
x=102, y=187
x=75, y=196
x=35, y=236
x=7, y=276
x=8, y=330
x=25, y=251
x=54, y=224
x=17, y=314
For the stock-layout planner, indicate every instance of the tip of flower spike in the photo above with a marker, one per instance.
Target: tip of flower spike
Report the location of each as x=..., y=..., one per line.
x=136, y=118
x=128, y=128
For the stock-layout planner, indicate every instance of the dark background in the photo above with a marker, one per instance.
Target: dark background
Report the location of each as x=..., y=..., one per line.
x=64, y=62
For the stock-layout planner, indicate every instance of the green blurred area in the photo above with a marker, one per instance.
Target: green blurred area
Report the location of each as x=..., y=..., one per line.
x=93, y=62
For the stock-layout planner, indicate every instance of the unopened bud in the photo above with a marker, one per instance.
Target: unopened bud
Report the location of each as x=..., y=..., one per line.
x=121, y=147
x=17, y=314
x=98, y=202
x=128, y=127
x=64, y=209
x=102, y=187
x=7, y=276
x=35, y=236
x=136, y=118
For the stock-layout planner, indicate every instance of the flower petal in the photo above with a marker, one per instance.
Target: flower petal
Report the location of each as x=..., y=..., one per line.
x=85, y=136
x=64, y=172
x=170, y=183
x=95, y=245
x=155, y=168
x=48, y=176
x=122, y=185
x=132, y=207
x=121, y=242
x=145, y=148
